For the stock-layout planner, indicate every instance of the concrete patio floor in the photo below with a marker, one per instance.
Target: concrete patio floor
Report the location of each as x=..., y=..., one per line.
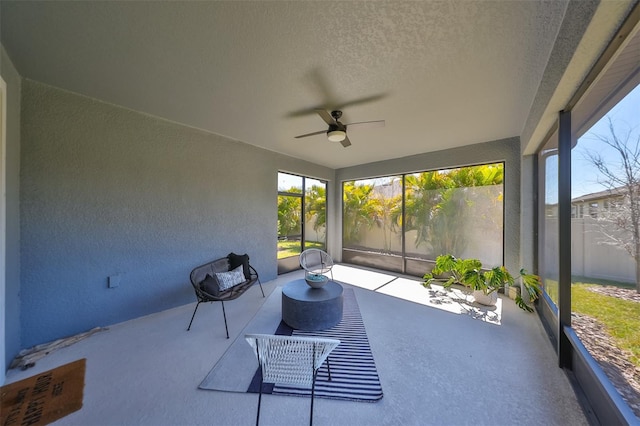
x=439, y=362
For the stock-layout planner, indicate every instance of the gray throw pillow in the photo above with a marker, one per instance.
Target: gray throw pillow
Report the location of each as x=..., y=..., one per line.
x=210, y=285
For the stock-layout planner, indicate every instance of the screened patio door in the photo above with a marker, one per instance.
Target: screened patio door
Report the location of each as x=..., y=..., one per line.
x=301, y=218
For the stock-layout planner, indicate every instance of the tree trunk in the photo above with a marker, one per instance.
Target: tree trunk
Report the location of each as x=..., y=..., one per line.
x=635, y=217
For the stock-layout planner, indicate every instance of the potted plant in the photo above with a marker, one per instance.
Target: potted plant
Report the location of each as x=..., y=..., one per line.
x=483, y=283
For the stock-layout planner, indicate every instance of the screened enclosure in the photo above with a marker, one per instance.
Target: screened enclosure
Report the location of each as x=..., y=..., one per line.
x=400, y=222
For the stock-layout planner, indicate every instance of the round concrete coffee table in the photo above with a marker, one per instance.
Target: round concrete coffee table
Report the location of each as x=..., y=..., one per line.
x=306, y=308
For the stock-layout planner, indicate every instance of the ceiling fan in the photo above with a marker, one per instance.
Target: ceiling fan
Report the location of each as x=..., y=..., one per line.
x=337, y=131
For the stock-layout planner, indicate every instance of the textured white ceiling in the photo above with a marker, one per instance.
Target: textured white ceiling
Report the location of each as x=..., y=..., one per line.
x=442, y=74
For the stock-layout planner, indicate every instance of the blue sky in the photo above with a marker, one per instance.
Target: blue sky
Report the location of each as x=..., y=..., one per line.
x=625, y=116
x=287, y=181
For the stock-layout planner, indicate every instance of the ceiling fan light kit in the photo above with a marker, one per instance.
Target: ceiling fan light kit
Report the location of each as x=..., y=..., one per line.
x=336, y=135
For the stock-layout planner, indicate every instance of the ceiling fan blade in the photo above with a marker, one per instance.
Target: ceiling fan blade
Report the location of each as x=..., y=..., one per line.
x=346, y=142
x=311, y=134
x=324, y=114
x=303, y=112
x=330, y=105
x=364, y=100
x=369, y=124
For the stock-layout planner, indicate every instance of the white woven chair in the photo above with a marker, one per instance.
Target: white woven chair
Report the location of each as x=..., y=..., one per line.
x=290, y=360
x=317, y=262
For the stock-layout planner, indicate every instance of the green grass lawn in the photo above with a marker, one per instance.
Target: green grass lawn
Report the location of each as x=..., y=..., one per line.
x=292, y=247
x=621, y=318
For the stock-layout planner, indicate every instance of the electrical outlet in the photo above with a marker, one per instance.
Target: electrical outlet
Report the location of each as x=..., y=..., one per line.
x=113, y=281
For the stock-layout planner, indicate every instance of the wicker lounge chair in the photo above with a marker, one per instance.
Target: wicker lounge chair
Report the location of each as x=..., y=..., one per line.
x=290, y=360
x=206, y=286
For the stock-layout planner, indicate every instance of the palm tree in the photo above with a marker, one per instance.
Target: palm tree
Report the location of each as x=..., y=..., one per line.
x=421, y=199
x=359, y=211
x=316, y=207
x=387, y=206
x=436, y=205
x=289, y=211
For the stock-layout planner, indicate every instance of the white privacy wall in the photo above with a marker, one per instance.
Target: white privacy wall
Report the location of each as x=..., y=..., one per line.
x=591, y=256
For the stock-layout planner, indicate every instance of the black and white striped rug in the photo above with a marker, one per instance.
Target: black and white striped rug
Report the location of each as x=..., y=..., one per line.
x=353, y=370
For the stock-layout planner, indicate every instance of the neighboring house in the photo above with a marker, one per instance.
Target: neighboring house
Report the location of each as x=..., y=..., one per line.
x=595, y=202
